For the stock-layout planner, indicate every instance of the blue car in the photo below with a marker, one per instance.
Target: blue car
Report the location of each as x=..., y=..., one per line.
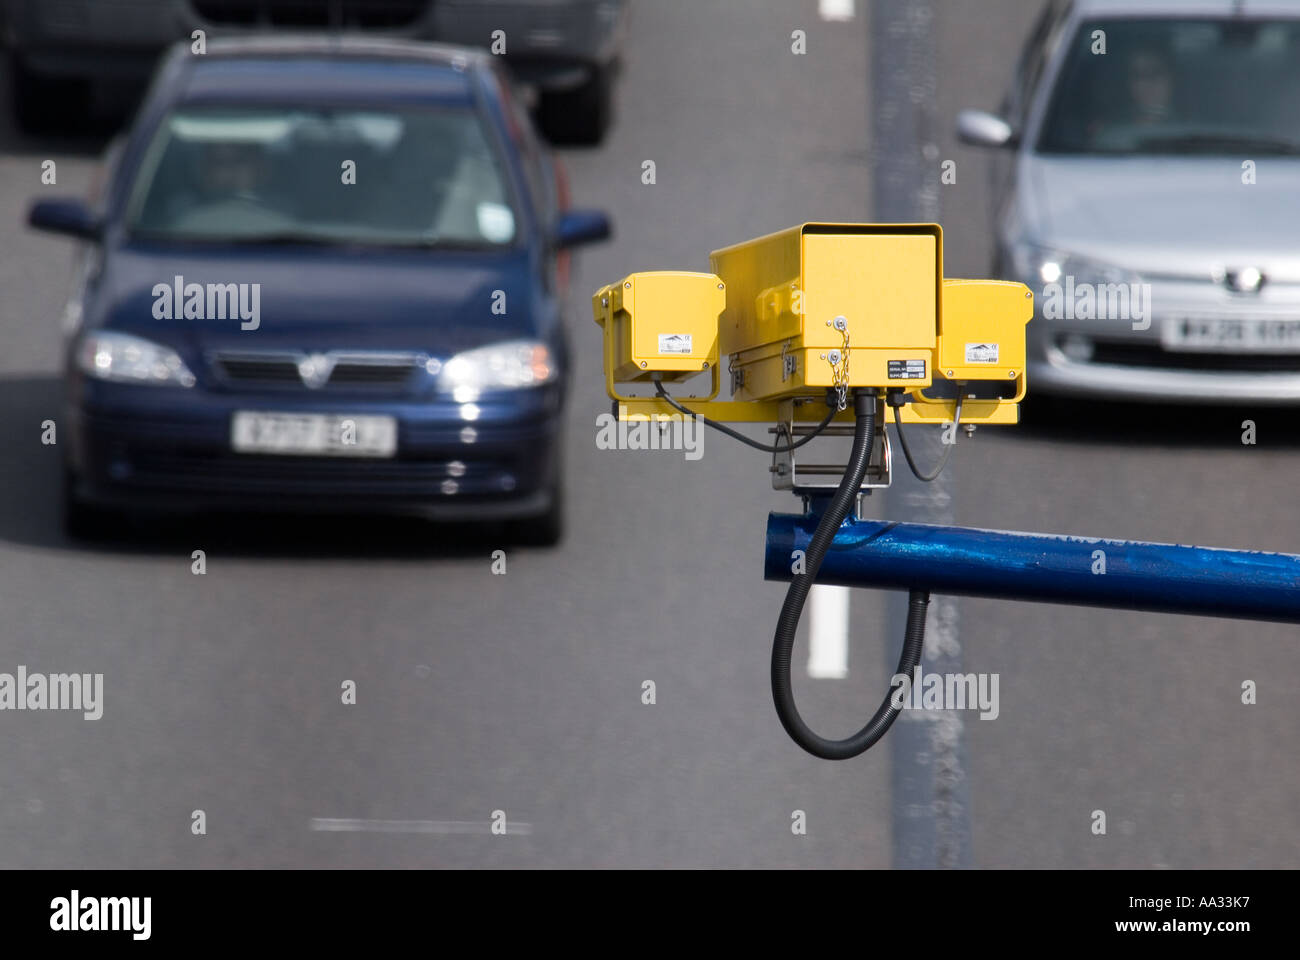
x=322, y=274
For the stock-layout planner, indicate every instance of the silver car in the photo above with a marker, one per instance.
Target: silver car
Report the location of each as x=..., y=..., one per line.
x=1147, y=190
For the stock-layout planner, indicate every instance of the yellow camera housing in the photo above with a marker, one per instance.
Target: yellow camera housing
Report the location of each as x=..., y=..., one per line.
x=815, y=306
x=788, y=290
x=660, y=324
x=981, y=347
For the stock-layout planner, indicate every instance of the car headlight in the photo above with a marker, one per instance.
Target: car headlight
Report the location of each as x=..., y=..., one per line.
x=121, y=357
x=500, y=366
x=1038, y=266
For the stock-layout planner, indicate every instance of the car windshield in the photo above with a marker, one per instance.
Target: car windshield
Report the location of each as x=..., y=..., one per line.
x=1223, y=86
x=410, y=177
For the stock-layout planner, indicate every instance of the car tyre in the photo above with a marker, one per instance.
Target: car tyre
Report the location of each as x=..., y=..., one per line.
x=546, y=529
x=82, y=521
x=44, y=104
x=579, y=117
x=1047, y=410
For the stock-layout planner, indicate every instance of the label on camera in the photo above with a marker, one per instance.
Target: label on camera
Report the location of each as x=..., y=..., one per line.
x=674, y=343
x=906, y=369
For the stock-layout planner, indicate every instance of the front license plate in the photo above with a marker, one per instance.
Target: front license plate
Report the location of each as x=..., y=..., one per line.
x=315, y=434
x=1226, y=335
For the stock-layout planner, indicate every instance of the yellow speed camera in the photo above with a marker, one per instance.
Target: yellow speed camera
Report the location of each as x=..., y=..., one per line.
x=821, y=306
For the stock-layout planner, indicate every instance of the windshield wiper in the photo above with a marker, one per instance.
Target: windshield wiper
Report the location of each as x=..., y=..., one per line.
x=287, y=238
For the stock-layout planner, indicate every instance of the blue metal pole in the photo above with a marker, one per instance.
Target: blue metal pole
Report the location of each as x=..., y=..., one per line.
x=1168, y=578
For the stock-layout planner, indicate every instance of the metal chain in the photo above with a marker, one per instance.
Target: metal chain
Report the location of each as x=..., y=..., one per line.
x=843, y=386
x=839, y=361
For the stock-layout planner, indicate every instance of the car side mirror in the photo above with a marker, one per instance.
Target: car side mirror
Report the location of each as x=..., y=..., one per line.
x=66, y=215
x=982, y=129
x=576, y=227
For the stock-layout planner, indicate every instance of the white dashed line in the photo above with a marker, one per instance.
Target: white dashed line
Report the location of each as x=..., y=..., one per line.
x=445, y=827
x=828, y=632
x=835, y=9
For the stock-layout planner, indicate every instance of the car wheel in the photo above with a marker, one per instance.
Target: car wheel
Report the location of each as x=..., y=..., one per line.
x=44, y=104
x=580, y=117
x=81, y=521
x=546, y=529
x=1046, y=410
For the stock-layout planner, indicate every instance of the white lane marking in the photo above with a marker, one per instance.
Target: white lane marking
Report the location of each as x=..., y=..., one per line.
x=332, y=825
x=828, y=632
x=835, y=9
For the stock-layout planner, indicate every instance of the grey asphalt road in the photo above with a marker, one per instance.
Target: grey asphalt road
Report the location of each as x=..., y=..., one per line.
x=523, y=693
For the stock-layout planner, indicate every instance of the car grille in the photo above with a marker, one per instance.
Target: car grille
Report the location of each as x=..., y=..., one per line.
x=364, y=14
x=230, y=474
x=334, y=370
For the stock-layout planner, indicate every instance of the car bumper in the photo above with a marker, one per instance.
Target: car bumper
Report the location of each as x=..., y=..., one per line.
x=1127, y=359
x=120, y=39
x=131, y=451
x=552, y=45
x=1060, y=376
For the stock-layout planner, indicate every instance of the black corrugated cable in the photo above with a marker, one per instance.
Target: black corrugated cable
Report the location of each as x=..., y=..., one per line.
x=794, y=444
x=864, y=405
